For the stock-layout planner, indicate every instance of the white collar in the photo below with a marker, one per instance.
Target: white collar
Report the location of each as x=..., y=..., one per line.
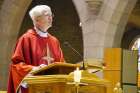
x=41, y=33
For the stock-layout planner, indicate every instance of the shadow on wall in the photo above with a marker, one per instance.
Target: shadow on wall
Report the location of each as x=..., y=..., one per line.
x=130, y=35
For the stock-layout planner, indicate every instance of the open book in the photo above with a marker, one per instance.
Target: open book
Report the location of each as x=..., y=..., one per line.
x=56, y=68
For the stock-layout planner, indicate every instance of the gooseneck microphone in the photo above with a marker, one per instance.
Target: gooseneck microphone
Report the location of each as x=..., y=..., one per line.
x=75, y=51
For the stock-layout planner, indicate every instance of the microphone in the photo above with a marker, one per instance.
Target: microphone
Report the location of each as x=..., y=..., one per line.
x=73, y=49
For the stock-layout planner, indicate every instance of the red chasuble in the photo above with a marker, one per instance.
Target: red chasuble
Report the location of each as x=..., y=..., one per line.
x=29, y=51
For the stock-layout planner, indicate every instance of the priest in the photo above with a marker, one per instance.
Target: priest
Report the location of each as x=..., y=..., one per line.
x=34, y=49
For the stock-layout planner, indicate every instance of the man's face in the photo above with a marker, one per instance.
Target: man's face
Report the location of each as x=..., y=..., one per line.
x=44, y=22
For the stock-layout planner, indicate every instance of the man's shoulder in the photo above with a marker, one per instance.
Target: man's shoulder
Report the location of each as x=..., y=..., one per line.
x=53, y=38
x=28, y=33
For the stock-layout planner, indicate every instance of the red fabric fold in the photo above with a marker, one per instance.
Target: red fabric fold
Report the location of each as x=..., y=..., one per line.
x=28, y=52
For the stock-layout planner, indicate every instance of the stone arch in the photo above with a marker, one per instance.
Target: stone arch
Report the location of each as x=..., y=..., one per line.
x=106, y=28
x=123, y=20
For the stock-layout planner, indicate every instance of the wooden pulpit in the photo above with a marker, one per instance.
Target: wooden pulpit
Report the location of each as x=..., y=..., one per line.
x=58, y=78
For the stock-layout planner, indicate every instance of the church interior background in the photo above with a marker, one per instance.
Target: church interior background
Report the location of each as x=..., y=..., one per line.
x=90, y=26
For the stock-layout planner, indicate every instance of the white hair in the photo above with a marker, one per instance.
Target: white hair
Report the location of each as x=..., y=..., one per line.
x=39, y=10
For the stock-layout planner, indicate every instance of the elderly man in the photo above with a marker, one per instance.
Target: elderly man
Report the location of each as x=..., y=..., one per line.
x=35, y=48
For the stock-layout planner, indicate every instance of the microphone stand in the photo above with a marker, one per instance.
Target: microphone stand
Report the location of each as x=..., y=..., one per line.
x=67, y=44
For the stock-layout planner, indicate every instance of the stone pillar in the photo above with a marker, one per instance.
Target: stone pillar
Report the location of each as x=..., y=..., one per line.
x=11, y=15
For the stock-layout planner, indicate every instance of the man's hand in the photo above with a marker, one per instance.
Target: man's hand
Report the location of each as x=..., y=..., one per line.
x=38, y=67
x=35, y=68
x=42, y=65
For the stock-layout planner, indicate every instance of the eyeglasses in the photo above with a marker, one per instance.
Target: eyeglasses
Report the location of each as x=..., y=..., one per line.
x=52, y=15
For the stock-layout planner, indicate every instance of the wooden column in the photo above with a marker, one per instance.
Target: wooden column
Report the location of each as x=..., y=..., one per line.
x=112, y=71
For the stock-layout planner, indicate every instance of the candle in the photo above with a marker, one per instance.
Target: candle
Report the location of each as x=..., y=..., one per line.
x=77, y=75
x=118, y=88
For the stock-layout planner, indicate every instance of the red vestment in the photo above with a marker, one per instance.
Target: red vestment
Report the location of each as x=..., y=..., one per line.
x=28, y=52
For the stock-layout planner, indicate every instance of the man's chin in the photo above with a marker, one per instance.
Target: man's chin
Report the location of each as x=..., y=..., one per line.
x=47, y=28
